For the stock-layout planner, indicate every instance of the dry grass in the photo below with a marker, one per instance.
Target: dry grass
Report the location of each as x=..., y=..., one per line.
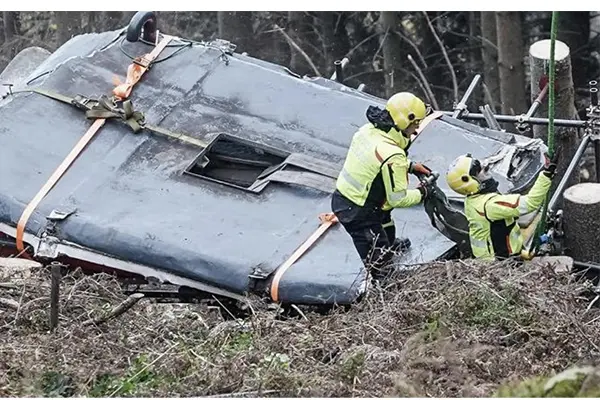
x=451, y=329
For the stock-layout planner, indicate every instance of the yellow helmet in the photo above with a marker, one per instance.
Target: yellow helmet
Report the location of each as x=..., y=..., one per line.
x=461, y=175
x=405, y=108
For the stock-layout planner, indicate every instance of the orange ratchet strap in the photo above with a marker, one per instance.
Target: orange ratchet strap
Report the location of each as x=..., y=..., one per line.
x=327, y=220
x=138, y=68
x=133, y=76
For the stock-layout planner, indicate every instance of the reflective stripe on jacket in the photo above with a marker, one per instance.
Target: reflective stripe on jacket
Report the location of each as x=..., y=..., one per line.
x=493, y=228
x=375, y=172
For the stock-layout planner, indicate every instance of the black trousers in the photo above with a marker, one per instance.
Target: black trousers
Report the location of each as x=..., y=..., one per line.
x=365, y=225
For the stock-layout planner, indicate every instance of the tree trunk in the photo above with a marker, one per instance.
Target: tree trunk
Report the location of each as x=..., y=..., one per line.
x=114, y=19
x=510, y=62
x=91, y=22
x=393, y=54
x=69, y=25
x=475, y=55
x=11, y=25
x=489, y=55
x=236, y=26
x=566, y=139
x=11, y=31
x=574, y=30
x=582, y=222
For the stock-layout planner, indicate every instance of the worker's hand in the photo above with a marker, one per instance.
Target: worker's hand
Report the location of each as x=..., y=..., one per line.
x=549, y=166
x=550, y=170
x=419, y=169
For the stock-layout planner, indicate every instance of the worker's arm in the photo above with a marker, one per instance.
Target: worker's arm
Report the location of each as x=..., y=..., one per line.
x=515, y=205
x=395, y=178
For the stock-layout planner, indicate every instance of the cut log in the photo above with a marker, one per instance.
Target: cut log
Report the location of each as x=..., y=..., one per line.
x=582, y=222
x=14, y=269
x=565, y=139
x=560, y=264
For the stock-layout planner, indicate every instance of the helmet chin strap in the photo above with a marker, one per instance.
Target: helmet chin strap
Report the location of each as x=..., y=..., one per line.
x=487, y=184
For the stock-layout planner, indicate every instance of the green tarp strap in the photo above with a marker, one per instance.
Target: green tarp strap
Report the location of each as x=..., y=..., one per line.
x=104, y=107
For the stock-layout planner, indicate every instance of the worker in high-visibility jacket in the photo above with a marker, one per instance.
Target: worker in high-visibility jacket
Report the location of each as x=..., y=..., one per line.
x=493, y=229
x=374, y=180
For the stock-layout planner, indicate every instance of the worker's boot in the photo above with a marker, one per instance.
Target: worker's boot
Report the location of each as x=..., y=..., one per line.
x=401, y=244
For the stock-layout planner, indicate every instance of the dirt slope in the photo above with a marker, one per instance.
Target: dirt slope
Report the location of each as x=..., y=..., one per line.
x=454, y=329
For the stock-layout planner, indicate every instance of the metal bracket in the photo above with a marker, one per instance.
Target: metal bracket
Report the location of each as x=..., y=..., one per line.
x=460, y=109
x=9, y=86
x=490, y=119
x=48, y=247
x=57, y=215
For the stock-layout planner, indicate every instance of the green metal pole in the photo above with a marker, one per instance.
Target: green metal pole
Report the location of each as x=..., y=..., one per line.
x=551, y=79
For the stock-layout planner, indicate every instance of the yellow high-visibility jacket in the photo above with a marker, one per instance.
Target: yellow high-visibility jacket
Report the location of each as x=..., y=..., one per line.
x=375, y=172
x=493, y=228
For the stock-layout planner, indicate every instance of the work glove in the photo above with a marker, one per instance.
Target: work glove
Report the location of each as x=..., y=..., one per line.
x=424, y=189
x=418, y=169
x=549, y=166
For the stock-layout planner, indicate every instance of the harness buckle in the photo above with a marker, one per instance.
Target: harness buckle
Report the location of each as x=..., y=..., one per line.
x=142, y=61
x=82, y=102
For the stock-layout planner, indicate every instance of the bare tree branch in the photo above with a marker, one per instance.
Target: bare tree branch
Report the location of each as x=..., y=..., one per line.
x=414, y=46
x=297, y=48
x=416, y=78
x=352, y=50
x=380, y=45
x=437, y=38
x=427, y=88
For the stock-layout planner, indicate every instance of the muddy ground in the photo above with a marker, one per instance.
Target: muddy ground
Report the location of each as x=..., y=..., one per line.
x=446, y=330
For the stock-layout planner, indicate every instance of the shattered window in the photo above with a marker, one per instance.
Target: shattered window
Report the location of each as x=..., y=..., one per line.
x=235, y=162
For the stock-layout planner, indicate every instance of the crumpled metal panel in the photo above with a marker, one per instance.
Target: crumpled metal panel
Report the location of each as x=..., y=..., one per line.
x=133, y=201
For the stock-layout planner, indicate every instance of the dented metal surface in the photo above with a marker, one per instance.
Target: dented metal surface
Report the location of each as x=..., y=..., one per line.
x=127, y=197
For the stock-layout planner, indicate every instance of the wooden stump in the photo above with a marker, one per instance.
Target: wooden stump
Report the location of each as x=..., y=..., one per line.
x=582, y=222
x=565, y=139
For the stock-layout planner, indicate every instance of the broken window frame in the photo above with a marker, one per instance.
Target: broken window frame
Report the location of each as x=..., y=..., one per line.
x=294, y=168
x=254, y=187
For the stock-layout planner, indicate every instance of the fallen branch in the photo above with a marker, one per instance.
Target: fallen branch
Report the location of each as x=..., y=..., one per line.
x=6, y=285
x=238, y=394
x=295, y=307
x=437, y=38
x=9, y=303
x=117, y=311
x=299, y=49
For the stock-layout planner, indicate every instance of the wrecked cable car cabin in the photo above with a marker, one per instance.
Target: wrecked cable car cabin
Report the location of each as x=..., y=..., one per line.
x=214, y=173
